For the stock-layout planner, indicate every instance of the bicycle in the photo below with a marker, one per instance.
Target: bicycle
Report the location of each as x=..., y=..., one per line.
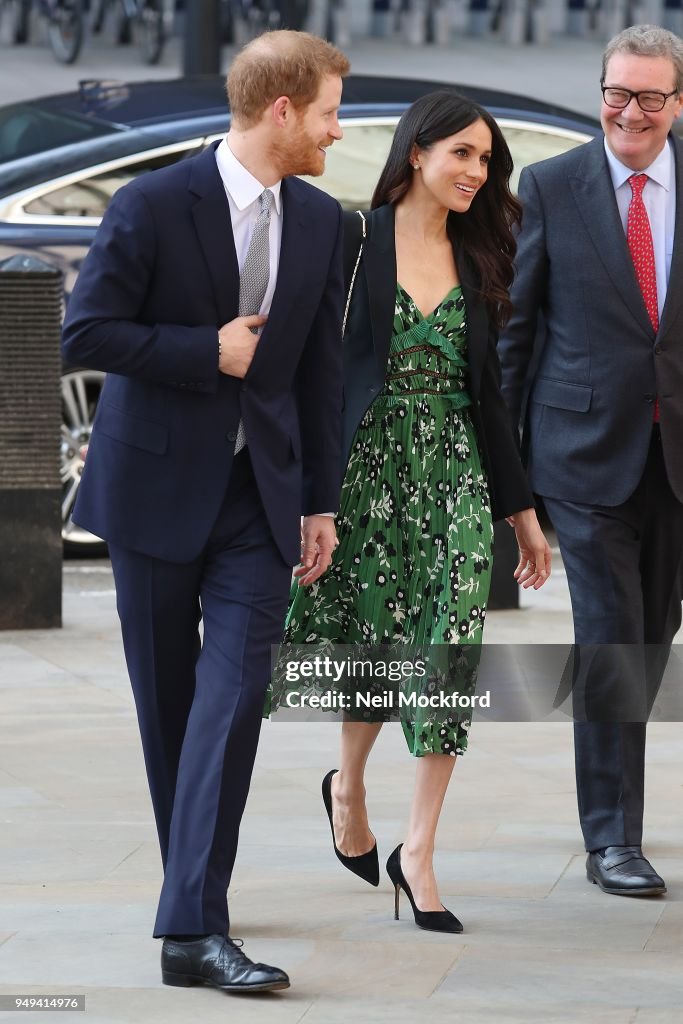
x=64, y=20
x=65, y=27
x=144, y=18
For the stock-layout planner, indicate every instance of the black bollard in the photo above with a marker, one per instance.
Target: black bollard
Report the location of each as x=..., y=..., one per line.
x=202, y=50
x=31, y=298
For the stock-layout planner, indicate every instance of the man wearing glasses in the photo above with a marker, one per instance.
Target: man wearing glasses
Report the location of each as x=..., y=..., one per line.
x=598, y=284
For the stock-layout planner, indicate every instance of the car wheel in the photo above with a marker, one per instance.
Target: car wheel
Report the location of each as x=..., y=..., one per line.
x=80, y=393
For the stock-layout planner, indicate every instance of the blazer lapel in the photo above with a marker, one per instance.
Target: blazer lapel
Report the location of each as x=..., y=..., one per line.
x=211, y=215
x=292, y=251
x=476, y=323
x=672, y=303
x=379, y=262
x=597, y=205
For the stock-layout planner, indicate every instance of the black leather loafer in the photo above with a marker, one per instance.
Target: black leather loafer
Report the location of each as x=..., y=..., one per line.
x=623, y=871
x=217, y=961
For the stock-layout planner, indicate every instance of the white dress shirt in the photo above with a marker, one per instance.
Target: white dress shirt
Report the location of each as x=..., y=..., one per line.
x=243, y=191
x=659, y=196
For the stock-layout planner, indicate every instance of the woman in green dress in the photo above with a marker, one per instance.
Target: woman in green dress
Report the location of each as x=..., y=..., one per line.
x=431, y=457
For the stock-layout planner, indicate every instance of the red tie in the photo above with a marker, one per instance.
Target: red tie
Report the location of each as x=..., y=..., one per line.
x=639, y=238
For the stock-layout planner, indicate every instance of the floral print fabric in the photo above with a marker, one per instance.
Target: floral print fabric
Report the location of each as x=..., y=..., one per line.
x=413, y=565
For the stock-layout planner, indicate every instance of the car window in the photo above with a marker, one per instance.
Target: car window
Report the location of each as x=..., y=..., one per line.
x=90, y=196
x=27, y=128
x=353, y=165
x=530, y=143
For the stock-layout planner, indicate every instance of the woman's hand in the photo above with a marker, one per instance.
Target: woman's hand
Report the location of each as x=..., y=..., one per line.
x=535, y=556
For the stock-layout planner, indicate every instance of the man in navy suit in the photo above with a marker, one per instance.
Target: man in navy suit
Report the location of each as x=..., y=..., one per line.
x=212, y=296
x=599, y=264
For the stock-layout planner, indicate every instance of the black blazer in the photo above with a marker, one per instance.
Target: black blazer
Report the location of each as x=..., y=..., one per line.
x=366, y=351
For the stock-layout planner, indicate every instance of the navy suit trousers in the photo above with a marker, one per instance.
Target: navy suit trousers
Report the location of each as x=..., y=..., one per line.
x=624, y=570
x=200, y=701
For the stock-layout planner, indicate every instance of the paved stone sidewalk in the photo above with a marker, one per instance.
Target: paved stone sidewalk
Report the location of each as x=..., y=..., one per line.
x=79, y=868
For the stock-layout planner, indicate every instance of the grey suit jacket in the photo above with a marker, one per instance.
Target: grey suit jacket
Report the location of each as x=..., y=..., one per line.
x=580, y=344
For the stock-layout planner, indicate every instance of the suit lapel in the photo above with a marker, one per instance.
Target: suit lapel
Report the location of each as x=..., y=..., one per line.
x=597, y=205
x=379, y=262
x=211, y=215
x=293, y=252
x=291, y=267
x=672, y=303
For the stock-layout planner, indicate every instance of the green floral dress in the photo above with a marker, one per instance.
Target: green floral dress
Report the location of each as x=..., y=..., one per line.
x=413, y=565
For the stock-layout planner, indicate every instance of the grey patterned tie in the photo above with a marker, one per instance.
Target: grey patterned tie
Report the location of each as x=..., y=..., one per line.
x=254, y=277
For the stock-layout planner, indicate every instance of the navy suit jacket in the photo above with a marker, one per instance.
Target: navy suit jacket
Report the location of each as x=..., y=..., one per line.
x=159, y=280
x=366, y=351
x=593, y=374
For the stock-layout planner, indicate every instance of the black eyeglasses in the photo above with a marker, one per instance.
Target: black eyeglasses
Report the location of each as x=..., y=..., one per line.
x=647, y=100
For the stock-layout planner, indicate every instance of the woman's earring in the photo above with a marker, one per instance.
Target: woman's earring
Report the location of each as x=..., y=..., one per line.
x=416, y=167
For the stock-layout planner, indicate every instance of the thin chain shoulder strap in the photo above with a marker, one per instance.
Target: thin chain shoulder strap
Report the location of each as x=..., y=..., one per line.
x=355, y=271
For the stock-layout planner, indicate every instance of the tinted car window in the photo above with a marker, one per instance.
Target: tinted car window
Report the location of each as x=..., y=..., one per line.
x=26, y=129
x=90, y=196
x=528, y=145
x=353, y=165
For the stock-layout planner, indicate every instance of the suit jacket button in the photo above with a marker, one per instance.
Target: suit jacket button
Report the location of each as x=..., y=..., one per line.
x=231, y=436
x=658, y=349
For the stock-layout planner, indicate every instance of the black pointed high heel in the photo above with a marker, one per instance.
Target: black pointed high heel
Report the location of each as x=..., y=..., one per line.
x=432, y=920
x=366, y=865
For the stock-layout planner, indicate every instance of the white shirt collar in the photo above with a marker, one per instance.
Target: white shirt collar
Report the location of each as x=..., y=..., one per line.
x=243, y=187
x=660, y=170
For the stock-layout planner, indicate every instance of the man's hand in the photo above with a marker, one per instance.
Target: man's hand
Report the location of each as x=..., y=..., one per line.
x=238, y=343
x=535, y=556
x=318, y=541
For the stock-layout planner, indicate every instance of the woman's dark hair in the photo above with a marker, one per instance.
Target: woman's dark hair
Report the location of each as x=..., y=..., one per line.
x=485, y=231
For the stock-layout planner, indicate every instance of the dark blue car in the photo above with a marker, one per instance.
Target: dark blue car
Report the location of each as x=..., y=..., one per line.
x=63, y=157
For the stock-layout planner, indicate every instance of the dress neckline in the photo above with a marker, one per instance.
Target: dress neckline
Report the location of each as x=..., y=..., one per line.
x=455, y=288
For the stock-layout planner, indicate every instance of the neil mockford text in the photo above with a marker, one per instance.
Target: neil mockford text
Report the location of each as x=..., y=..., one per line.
x=324, y=668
